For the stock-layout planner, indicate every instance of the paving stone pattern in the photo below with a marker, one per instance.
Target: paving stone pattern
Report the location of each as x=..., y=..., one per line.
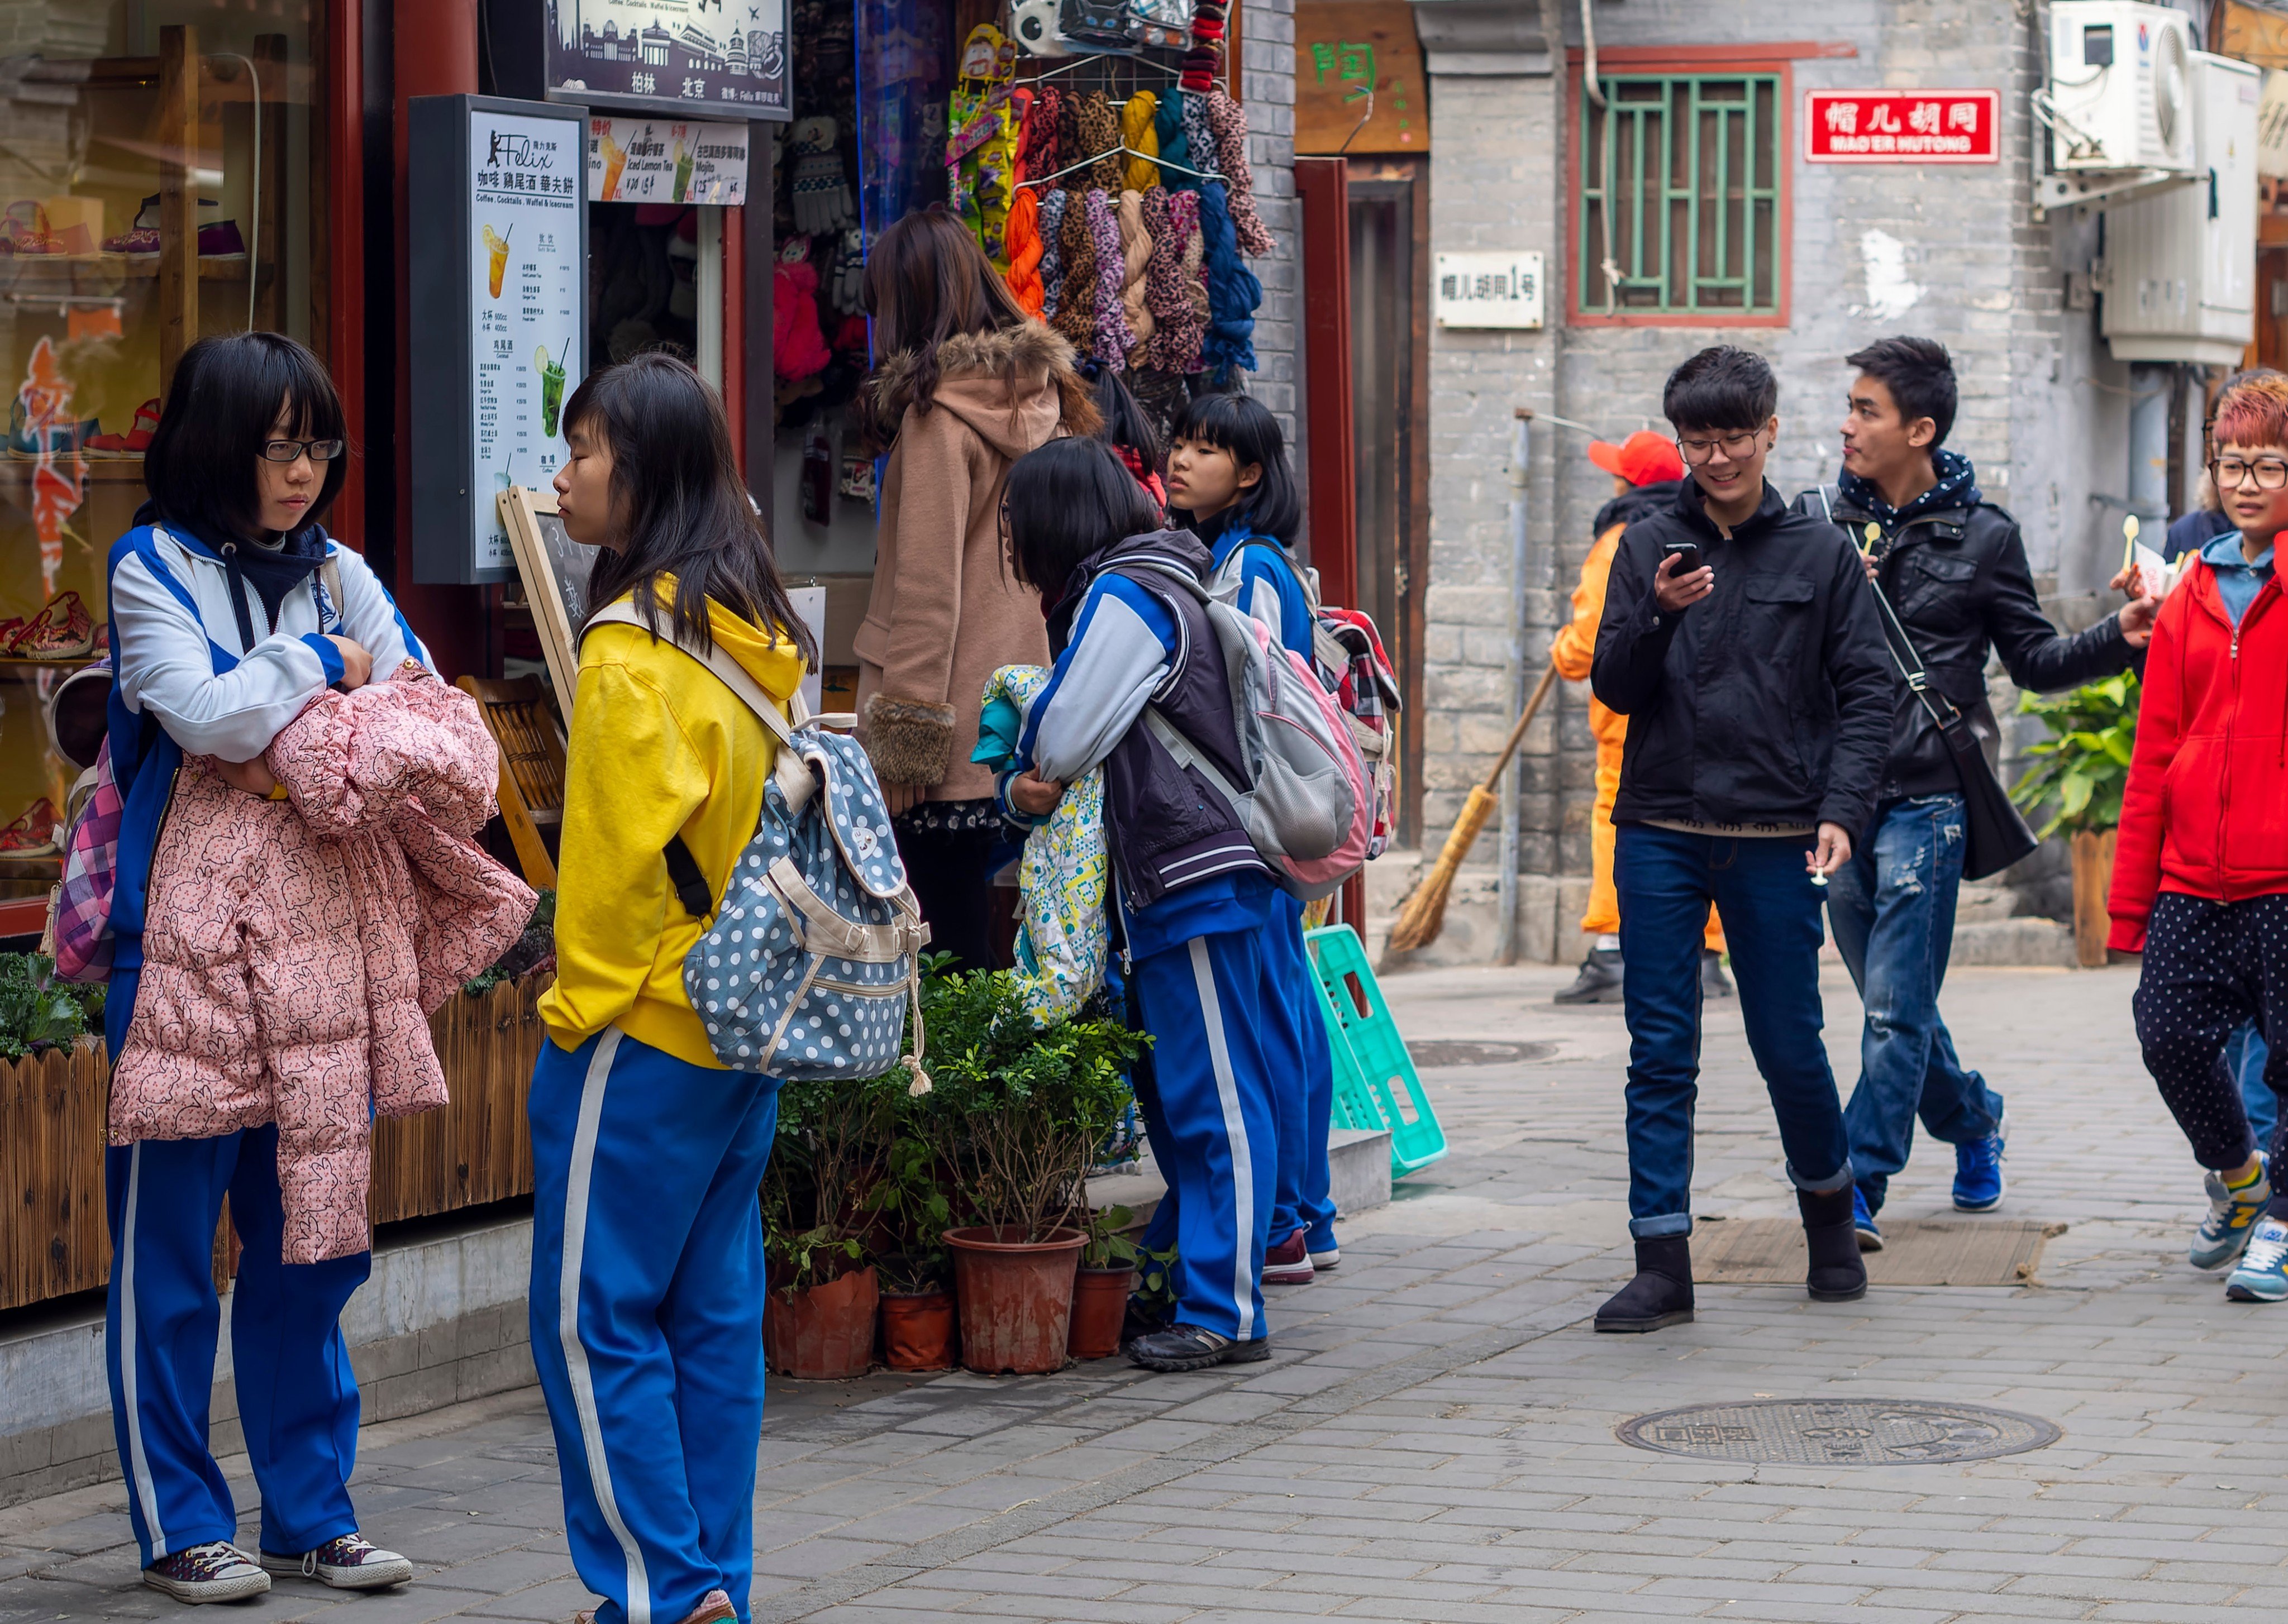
x=1435, y=1438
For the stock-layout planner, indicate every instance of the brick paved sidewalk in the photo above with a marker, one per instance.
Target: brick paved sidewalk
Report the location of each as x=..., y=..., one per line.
x=1434, y=1440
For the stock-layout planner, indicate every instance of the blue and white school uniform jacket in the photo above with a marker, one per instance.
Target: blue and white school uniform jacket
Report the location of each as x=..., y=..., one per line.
x=187, y=683
x=1270, y=585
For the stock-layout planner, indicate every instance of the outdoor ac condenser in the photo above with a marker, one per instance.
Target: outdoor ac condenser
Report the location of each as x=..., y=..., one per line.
x=2120, y=87
x=2180, y=276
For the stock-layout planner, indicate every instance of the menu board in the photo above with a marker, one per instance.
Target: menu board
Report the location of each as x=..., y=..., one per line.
x=720, y=56
x=525, y=180
x=656, y=161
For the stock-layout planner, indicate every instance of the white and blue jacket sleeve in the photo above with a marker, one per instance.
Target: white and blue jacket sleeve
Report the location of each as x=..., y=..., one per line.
x=1124, y=643
x=1270, y=588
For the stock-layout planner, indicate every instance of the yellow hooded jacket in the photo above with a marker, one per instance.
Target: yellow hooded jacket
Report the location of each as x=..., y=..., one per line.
x=659, y=747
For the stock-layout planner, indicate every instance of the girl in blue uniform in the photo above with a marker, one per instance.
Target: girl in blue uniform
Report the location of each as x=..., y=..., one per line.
x=1198, y=906
x=1228, y=479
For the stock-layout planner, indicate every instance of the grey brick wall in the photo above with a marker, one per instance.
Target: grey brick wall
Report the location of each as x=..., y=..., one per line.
x=1266, y=40
x=2044, y=410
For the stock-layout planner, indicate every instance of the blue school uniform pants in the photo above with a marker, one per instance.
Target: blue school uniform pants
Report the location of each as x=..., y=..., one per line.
x=647, y=1290
x=297, y=1402
x=1207, y=1093
x=1304, y=1098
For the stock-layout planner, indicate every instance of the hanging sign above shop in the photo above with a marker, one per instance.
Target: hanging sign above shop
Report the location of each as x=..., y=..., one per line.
x=653, y=161
x=500, y=277
x=714, y=56
x=1482, y=289
x=1902, y=126
x=1359, y=85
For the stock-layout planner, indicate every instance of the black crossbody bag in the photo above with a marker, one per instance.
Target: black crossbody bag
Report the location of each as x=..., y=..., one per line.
x=1998, y=834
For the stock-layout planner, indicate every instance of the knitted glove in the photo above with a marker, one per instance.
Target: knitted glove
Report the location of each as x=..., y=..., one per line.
x=850, y=272
x=1136, y=254
x=822, y=194
x=1053, y=251
x=1229, y=120
x=1112, y=338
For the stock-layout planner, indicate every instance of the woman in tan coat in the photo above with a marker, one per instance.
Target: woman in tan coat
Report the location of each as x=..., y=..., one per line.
x=969, y=385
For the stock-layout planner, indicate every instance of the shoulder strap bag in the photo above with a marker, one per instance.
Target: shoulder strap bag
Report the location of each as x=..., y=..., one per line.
x=1998, y=834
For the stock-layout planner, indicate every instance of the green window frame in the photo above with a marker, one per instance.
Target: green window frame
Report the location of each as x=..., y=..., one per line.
x=1681, y=190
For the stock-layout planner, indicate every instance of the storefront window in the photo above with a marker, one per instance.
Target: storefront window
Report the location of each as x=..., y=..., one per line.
x=157, y=185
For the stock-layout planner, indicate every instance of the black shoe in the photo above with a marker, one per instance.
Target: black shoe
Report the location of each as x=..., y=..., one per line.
x=1838, y=1274
x=1599, y=980
x=1661, y=1295
x=1191, y=1347
x=1713, y=982
x=1137, y=1320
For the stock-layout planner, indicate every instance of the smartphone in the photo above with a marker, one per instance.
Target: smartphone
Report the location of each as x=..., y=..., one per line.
x=1686, y=554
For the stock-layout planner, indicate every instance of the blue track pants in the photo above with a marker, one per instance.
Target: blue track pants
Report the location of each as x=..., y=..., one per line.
x=1218, y=1042
x=297, y=1402
x=647, y=1290
x=1304, y=1099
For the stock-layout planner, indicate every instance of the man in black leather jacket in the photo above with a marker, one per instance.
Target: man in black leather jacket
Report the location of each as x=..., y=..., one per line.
x=1955, y=571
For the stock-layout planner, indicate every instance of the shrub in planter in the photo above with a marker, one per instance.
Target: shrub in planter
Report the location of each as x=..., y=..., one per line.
x=2081, y=769
x=39, y=1012
x=1108, y=1274
x=909, y=1200
x=819, y=1322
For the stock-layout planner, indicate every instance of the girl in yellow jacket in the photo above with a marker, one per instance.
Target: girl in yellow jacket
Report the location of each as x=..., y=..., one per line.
x=647, y=1281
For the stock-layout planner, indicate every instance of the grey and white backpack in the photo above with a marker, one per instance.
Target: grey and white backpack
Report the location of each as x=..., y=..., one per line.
x=807, y=968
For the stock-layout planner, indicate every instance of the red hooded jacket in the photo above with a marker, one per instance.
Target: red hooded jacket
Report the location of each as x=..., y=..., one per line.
x=2206, y=811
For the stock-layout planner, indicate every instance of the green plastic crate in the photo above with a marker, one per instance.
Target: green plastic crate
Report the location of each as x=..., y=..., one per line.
x=1375, y=1081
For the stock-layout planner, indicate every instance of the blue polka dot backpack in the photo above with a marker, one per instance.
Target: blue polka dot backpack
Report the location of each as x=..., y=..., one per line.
x=807, y=969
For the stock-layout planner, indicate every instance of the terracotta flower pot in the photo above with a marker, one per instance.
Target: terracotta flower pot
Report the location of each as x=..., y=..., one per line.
x=1099, y=1303
x=1016, y=1297
x=825, y=1333
x=917, y=1330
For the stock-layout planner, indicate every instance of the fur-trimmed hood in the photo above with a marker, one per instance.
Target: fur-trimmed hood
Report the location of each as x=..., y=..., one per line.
x=1000, y=384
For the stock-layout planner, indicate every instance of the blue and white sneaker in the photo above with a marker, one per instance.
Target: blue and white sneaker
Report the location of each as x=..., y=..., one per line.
x=1978, y=1170
x=2262, y=1276
x=1863, y=1222
x=2233, y=1212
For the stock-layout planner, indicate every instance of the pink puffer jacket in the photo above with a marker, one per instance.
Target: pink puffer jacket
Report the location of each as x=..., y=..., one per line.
x=295, y=948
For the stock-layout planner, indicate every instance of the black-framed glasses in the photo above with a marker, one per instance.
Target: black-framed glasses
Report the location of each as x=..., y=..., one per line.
x=1738, y=446
x=292, y=450
x=2271, y=473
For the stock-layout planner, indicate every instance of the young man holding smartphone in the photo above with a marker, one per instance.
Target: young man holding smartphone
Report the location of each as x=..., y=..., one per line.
x=1741, y=641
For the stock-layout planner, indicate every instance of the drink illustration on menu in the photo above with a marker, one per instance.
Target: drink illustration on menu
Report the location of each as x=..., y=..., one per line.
x=497, y=246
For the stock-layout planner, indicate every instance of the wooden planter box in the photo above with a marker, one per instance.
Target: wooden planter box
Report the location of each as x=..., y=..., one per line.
x=2093, y=883
x=477, y=1150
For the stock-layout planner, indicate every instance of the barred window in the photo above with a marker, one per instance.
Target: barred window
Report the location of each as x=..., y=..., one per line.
x=1680, y=196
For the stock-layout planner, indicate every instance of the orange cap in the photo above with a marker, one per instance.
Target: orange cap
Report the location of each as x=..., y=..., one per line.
x=1643, y=458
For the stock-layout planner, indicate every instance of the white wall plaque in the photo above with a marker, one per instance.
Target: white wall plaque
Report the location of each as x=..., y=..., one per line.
x=1487, y=289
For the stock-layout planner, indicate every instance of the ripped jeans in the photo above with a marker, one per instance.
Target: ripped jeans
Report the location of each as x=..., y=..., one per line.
x=1891, y=907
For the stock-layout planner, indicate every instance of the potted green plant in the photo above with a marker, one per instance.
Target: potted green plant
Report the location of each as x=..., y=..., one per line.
x=916, y=1291
x=2081, y=769
x=1018, y=1113
x=1108, y=1274
x=818, y=1324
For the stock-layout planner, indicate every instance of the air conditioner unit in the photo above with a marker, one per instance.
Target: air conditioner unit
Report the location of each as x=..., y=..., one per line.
x=2120, y=87
x=2180, y=264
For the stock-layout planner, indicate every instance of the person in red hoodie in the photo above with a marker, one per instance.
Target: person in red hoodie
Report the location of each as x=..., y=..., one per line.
x=2200, y=875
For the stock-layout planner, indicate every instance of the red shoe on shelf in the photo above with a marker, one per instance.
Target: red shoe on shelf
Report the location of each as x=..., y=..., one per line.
x=138, y=437
x=33, y=835
x=61, y=630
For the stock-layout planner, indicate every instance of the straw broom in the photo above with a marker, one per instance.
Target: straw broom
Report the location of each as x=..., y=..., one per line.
x=1424, y=915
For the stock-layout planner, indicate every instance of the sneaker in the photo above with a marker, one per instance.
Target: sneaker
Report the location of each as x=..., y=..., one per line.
x=2262, y=1276
x=1978, y=1170
x=1139, y=1320
x=1862, y=1222
x=1287, y=1264
x=215, y=1571
x=1327, y=1259
x=1713, y=982
x=1191, y=1347
x=347, y=1563
x=713, y=1607
x=2233, y=1212
x=1599, y=980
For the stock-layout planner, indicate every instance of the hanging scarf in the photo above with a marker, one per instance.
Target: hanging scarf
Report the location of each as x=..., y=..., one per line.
x=1233, y=291
x=1036, y=144
x=1140, y=132
x=1112, y=340
x=1229, y=120
x=1136, y=253
x=1168, y=307
x=1100, y=133
x=1174, y=145
x=1052, y=253
x=1199, y=135
x=1191, y=333
x=1022, y=238
x=1076, y=316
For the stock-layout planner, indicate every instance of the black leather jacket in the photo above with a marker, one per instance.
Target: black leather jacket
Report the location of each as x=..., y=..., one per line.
x=1958, y=579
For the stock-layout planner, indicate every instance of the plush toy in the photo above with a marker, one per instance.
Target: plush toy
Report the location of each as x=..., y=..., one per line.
x=1035, y=24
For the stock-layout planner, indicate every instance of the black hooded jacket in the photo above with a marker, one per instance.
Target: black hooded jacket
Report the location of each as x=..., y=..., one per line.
x=1767, y=701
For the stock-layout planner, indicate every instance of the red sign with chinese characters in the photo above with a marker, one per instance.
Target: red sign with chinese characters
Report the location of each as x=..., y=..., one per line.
x=1902, y=126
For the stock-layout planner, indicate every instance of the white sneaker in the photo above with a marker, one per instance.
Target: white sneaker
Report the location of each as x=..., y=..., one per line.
x=215, y=1571
x=347, y=1563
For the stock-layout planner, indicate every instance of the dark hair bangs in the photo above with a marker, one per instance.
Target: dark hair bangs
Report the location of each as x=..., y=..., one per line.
x=1918, y=373
x=1244, y=426
x=1722, y=387
x=1067, y=501
x=227, y=399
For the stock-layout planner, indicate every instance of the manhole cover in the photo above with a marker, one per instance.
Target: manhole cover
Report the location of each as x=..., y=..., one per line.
x=1472, y=1051
x=1839, y=1432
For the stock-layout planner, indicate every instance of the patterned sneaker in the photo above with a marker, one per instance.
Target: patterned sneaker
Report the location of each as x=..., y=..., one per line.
x=215, y=1571
x=2233, y=1212
x=1191, y=1347
x=1287, y=1264
x=1978, y=1170
x=347, y=1563
x=1863, y=1222
x=2262, y=1276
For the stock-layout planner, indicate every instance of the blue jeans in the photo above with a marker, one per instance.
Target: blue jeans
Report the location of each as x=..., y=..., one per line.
x=1667, y=879
x=2244, y=1056
x=1892, y=908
